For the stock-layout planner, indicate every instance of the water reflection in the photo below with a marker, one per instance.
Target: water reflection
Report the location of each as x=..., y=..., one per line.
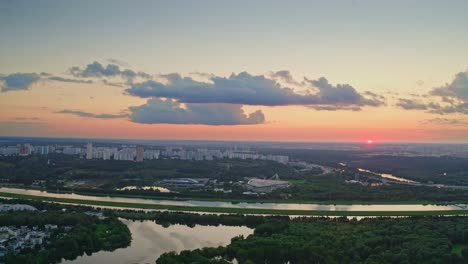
x=150, y=240
x=388, y=176
x=277, y=206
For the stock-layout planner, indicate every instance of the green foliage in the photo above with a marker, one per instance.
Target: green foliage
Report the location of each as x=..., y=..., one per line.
x=122, y=173
x=88, y=235
x=333, y=188
x=324, y=240
x=422, y=169
x=190, y=219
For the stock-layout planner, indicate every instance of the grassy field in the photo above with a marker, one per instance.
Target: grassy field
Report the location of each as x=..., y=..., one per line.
x=231, y=210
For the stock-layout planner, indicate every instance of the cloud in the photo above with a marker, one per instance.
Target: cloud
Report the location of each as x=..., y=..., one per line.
x=202, y=74
x=457, y=89
x=451, y=98
x=18, y=81
x=119, y=62
x=158, y=111
x=61, y=79
x=374, y=95
x=246, y=89
x=286, y=77
x=452, y=108
x=91, y=115
x=445, y=121
x=409, y=104
x=97, y=70
x=116, y=84
x=342, y=94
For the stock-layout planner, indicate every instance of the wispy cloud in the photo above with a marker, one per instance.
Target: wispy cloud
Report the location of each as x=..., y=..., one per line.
x=61, y=79
x=410, y=104
x=451, y=98
x=446, y=121
x=91, y=115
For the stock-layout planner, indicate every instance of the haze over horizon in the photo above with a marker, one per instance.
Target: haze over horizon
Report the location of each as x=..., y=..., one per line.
x=335, y=71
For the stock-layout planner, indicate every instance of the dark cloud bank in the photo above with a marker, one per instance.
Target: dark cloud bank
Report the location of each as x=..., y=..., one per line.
x=247, y=89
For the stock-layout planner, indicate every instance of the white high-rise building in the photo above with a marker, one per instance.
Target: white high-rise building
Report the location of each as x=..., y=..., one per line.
x=89, y=151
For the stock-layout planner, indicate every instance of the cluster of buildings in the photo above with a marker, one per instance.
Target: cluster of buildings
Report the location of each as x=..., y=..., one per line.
x=138, y=153
x=16, y=207
x=211, y=154
x=254, y=185
x=25, y=150
x=15, y=239
x=130, y=153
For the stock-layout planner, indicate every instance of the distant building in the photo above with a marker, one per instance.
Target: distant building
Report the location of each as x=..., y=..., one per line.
x=25, y=149
x=260, y=185
x=151, y=154
x=71, y=150
x=186, y=182
x=140, y=153
x=89, y=150
x=43, y=150
x=16, y=207
x=125, y=154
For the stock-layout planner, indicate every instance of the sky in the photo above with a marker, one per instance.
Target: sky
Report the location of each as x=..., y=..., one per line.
x=319, y=71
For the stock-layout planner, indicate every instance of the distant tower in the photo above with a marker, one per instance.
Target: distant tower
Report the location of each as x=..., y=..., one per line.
x=140, y=153
x=89, y=150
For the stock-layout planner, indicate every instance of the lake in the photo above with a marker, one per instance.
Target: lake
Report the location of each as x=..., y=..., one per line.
x=150, y=240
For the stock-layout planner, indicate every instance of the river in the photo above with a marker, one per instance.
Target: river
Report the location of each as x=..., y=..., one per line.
x=276, y=206
x=400, y=180
x=388, y=176
x=150, y=240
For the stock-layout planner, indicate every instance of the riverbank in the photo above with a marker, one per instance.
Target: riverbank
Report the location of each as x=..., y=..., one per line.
x=238, y=200
x=231, y=210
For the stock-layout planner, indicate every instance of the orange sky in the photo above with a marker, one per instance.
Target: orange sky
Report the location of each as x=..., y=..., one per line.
x=392, y=49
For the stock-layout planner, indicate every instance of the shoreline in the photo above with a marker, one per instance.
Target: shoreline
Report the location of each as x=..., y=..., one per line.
x=237, y=200
x=206, y=209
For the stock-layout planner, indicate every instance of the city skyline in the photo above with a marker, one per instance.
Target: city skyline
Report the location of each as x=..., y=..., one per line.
x=344, y=71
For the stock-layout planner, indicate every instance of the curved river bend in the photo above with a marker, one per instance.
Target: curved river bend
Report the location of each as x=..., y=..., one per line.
x=277, y=206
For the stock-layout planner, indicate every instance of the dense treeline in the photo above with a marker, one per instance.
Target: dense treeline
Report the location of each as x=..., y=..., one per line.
x=333, y=188
x=324, y=240
x=443, y=170
x=109, y=175
x=190, y=219
x=87, y=235
x=113, y=173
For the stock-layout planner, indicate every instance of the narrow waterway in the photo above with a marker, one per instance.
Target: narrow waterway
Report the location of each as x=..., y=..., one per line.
x=388, y=176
